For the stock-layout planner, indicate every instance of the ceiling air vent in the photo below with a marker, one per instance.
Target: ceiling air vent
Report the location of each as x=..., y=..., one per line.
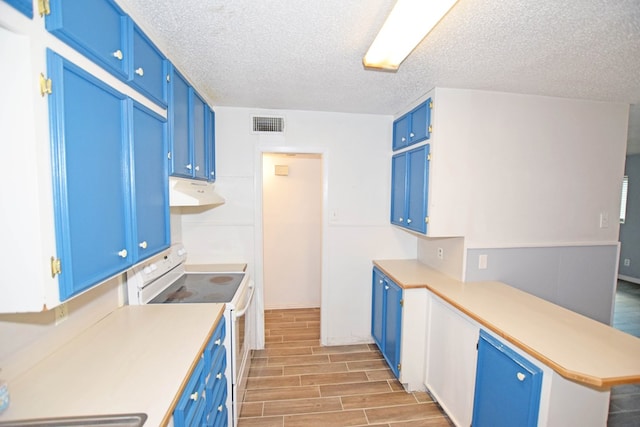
x=268, y=124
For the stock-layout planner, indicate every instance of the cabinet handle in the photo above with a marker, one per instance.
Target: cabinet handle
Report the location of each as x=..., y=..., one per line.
x=412, y=135
x=139, y=71
x=217, y=342
x=220, y=408
x=194, y=396
x=219, y=376
x=123, y=253
x=118, y=54
x=409, y=221
x=197, y=168
x=143, y=244
x=189, y=166
x=520, y=376
x=403, y=139
x=212, y=173
x=386, y=288
x=400, y=219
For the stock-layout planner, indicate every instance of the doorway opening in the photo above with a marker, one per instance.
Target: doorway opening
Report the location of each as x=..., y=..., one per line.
x=292, y=230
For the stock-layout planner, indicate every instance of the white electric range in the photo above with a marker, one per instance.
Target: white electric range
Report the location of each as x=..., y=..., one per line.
x=166, y=279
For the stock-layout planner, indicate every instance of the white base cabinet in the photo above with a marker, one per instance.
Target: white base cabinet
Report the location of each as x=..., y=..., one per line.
x=450, y=374
x=451, y=359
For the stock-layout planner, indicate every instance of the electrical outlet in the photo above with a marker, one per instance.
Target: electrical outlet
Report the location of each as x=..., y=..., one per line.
x=61, y=312
x=604, y=220
x=482, y=262
x=440, y=253
x=627, y=262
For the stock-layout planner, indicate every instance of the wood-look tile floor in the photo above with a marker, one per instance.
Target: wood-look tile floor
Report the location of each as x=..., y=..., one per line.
x=294, y=382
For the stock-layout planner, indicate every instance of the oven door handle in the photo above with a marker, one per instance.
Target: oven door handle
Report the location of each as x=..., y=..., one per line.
x=243, y=310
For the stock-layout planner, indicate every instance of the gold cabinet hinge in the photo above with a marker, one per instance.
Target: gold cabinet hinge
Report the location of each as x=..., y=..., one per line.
x=429, y=157
x=430, y=128
x=426, y=220
x=56, y=267
x=43, y=7
x=401, y=303
x=431, y=105
x=399, y=366
x=45, y=85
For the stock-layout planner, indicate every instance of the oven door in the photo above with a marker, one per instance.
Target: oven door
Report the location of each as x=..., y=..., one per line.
x=242, y=317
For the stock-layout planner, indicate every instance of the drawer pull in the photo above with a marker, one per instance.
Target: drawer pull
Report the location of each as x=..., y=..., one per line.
x=217, y=342
x=194, y=396
x=143, y=244
x=219, y=376
x=520, y=376
x=118, y=54
x=220, y=408
x=139, y=71
x=123, y=253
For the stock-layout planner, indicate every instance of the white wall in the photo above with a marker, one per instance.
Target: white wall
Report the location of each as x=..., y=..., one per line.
x=356, y=152
x=512, y=169
x=292, y=230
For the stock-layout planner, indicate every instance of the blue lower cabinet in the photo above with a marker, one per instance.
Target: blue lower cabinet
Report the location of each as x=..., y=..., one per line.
x=386, y=318
x=191, y=406
x=203, y=402
x=507, y=390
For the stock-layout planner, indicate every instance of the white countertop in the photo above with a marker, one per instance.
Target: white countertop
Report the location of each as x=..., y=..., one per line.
x=136, y=359
x=577, y=347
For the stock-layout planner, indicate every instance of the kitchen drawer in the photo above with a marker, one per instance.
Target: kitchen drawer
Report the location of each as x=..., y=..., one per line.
x=218, y=415
x=191, y=406
x=215, y=344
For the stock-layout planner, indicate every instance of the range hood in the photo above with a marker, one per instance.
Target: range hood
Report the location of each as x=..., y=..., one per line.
x=187, y=192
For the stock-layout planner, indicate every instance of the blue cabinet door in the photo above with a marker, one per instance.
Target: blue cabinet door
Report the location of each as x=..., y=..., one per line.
x=96, y=28
x=210, y=145
x=398, y=188
x=24, y=6
x=420, y=123
x=393, y=325
x=198, y=132
x=91, y=193
x=148, y=68
x=149, y=179
x=418, y=175
x=401, y=132
x=178, y=111
x=377, y=307
x=507, y=391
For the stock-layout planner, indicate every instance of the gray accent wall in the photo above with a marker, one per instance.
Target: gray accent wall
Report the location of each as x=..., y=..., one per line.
x=580, y=278
x=630, y=230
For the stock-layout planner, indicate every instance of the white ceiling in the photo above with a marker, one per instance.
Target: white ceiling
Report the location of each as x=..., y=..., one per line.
x=307, y=54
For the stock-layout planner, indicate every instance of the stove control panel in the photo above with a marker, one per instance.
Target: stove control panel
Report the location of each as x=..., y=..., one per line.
x=157, y=266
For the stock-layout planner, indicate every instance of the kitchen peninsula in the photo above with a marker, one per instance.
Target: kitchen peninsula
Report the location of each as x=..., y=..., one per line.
x=580, y=358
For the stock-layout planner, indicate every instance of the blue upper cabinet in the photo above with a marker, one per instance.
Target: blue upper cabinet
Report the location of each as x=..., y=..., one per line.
x=413, y=127
x=506, y=380
x=410, y=189
x=191, y=131
x=198, y=132
x=96, y=28
x=149, y=179
x=24, y=6
x=178, y=113
x=148, y=68
x=102, y=32
x=210, y=144
x=91, y=195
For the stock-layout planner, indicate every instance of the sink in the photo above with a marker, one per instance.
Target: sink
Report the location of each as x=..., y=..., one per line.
x=118, y=420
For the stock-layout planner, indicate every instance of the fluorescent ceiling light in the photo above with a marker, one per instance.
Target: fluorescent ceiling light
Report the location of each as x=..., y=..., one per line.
x=407, y=24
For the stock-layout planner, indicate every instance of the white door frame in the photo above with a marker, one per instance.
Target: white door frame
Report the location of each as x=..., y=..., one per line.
x=259, y=248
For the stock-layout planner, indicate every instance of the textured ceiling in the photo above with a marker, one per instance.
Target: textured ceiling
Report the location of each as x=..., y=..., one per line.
x=307, y=54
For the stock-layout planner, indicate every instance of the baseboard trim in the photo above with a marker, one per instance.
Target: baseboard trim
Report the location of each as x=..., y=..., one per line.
x=629, y=279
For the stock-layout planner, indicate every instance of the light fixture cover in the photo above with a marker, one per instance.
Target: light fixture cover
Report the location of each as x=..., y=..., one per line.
x=407, y=24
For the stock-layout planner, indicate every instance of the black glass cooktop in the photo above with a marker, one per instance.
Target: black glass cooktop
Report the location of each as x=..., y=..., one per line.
x=201, y=288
